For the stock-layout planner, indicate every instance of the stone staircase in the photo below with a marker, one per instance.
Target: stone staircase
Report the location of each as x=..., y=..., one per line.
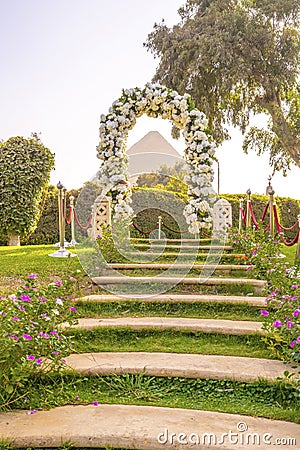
x=150, y=427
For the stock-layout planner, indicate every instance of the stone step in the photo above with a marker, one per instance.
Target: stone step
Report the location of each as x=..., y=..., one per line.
x=185, y=246
x=216, y=367
x=223, y=267
x=257, y=285
x=185, y=254
x=174, y=241
x=231, y=327
x=145, y=428
x=176, y=298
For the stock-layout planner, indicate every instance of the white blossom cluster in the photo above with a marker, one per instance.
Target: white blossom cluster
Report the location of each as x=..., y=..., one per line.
x=157, y=101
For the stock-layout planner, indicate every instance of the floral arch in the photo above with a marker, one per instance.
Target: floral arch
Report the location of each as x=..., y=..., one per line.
x=157, y=101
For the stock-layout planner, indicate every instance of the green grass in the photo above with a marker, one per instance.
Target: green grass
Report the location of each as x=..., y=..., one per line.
x=273, y=400
x=201, y=310
x=152, y=340
x=289, y=252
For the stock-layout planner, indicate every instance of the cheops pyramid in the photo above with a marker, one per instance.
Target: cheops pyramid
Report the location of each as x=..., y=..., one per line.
x=150, y=153
x=153, y=142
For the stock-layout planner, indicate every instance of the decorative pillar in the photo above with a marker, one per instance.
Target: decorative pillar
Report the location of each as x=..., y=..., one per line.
x=222, y=216
x=73, y=240
x=159, y=227
x=101, y=215
x=271, y=204
x=248, y=214
x=241, y=215
x=298, y=244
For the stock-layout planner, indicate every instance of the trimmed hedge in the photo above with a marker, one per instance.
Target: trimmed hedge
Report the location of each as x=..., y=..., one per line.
x=155, y=202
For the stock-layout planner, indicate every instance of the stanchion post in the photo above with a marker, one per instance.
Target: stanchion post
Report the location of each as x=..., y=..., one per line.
x=73, y=240
x=271, y=204
x=62, y=252
x=248, y=214
x=241, y=215
x=159, y=227
x=297, y=257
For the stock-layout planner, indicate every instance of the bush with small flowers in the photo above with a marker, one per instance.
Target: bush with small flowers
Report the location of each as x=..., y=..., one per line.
x=31, y=340
x=281, y=315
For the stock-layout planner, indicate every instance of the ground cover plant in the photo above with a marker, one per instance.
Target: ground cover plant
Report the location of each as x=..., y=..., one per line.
x=282, y=312
x=30, y=339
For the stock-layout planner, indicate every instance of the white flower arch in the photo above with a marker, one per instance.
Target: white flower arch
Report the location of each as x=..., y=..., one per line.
x=157, y=101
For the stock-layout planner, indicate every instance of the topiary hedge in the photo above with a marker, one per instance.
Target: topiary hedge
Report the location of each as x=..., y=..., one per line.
x=25, y=171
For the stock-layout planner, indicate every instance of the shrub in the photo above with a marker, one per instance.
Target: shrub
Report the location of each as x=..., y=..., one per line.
x=30, y=338
x=25, y=170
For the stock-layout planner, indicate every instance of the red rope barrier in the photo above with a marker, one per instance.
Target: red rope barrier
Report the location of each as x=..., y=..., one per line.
x=79, y=224
x=293, y=242
x=265, y=211
x=174, y=231
x=281, y=226
x=243, y=215
x=144, y=232
x=252, y=215
x=68, y=219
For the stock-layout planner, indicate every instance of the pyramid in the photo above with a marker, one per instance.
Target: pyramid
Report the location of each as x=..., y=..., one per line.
x=153, y=142
x=149, y=154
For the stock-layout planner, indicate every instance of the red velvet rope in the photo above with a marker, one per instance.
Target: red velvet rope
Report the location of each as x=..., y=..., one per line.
x=243, y=215
x=68, y=219
x=79, y=224
x=144, y=232
x=265, y=211
x=252, y=215
x=293, y=242
x=281, y=226
x=174, y=231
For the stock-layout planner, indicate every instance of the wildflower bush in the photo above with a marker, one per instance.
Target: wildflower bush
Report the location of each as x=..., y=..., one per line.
x=281, y=316
x=31, y=340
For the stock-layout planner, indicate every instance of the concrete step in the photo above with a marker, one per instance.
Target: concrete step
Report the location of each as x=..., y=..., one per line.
x=257, y=285
x=181, y=254
x=144, y=428
x=166, y=323
x=216, y=367
x=173, y=241
x=176, y=298
x=221, y=268
x=186, y=246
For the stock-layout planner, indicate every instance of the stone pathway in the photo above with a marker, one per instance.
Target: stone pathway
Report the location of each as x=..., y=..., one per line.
x=146, y=428
x=232, y=327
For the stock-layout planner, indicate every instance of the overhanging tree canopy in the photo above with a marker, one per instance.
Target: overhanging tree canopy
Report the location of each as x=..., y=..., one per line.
x=237, y=57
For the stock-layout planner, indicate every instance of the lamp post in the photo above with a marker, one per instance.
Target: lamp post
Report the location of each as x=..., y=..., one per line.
x=248, y=214
x=271, y=204
x=73, y=240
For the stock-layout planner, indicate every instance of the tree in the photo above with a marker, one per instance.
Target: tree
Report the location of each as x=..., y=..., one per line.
x=25, y=171
x=235, y=58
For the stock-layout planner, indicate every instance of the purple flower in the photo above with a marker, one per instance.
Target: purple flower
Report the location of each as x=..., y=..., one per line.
x=58, y=283
x=32, y=276
x=95, y=403
x=289, y=324
x=39, y=361
x=53, y=332
x=72, y=279
x=30, y=357
x=14, y=337
x=292, y=344
x=77, y=397
x=264, y=312
x=298, y=340
x=73, y=309
x=25, y=298
x=296, y=313
x=55, y=353
x=294, y=286
x=27, y=337
x=277, y=323
x=15, y=319
x=42, y=299
x=32, y=411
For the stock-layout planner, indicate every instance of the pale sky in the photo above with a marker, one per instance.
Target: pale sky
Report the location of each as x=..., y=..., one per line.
x=63, y=62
